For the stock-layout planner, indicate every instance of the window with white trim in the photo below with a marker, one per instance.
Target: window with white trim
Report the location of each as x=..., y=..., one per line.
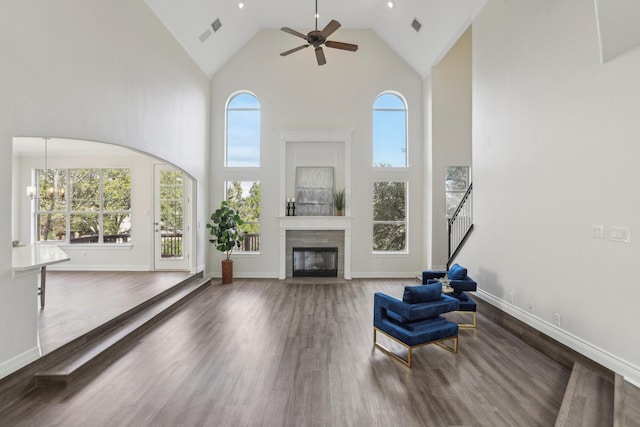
x=389, y=216
x=244, y=197
x=243, y=131
x=389, y=131
x=95, y=209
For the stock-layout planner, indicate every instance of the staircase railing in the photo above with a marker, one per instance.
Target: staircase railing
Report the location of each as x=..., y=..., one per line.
x=460, y=224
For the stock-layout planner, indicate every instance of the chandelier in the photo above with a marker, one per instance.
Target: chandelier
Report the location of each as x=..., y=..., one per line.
x=52, y=191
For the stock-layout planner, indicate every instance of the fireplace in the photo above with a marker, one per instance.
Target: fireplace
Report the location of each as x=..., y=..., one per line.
x=315, y=262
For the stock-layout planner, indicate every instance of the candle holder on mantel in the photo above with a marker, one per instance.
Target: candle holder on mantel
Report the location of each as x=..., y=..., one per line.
x=291, y=207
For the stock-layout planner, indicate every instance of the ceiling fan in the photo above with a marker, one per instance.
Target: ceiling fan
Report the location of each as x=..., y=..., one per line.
x=318, y=38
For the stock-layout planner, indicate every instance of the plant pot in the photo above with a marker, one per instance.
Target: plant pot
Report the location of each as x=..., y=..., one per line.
x=227, y=271
x=339, y=212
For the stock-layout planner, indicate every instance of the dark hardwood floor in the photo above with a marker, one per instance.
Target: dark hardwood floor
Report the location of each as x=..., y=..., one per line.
x=265, y=353
x=79, y=301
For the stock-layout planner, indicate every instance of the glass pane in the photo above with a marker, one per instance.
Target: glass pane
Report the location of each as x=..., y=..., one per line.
x=117, y=228
x=52, y=181
x=389, y=237
x=389, y=139
x=389, y=101
x=171, y=213
x=243, y=138
x=117, y=189
x=85, y=189
x=171, y=245
x=453, y=200
x=244, y=197
x=389, y=201
x=51, y=226
x=457, y=178
x=85, y=228
x=244, y=100
x=389, y=131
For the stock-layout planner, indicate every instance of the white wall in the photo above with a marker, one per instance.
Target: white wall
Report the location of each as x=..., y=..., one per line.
x=98, y=71
x=295, y=92
x=555, y=151
x=448, y=140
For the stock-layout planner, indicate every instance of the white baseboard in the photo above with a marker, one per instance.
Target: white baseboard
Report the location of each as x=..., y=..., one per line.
x=9, y=366
x=354, y=275
x=119, y=267
x=383, y=275
x=630, y=372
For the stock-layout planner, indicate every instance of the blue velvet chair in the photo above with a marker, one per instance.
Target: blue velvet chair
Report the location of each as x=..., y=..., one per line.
x=461, y=284
x=416, y=320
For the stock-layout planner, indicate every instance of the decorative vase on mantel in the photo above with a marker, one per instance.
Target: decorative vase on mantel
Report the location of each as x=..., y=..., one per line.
x=338, y=202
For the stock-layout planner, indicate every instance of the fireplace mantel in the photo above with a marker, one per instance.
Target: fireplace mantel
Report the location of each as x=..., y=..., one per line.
x=315, y=223
x=313, y=141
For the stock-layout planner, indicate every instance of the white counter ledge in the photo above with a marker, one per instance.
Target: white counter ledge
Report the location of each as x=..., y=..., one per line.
x=33, y=257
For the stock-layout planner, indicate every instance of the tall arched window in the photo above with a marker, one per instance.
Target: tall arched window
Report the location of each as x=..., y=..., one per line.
x=389, y=131
x=243, y=131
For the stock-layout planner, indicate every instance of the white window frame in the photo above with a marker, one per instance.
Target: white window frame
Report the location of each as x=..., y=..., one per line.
x=259, y=222
x=405, y=110
x=226, y=131
x=405, y=222
x=68, y=212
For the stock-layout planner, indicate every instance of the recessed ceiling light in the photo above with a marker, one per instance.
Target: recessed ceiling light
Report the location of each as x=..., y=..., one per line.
x=240, y=5
x=390, y=4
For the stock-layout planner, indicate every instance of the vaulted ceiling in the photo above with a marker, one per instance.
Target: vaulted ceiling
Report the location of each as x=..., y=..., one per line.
x=190, y=21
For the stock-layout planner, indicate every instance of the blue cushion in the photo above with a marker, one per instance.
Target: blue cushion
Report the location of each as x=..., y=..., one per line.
x=422, y=293
x=457, y=272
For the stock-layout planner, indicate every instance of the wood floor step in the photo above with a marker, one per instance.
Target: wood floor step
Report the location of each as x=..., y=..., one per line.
x=100, y=349
x=588, y=399
x=627, y=404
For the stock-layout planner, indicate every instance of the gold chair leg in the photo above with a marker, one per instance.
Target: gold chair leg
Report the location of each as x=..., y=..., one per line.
x=389, y=351
x=441, y=343
x=471, y=325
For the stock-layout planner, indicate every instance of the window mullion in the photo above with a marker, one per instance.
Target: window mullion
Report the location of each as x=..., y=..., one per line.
x=67, y=207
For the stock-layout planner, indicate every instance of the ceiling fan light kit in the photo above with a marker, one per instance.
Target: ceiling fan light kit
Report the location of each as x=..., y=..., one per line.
x=317, y=38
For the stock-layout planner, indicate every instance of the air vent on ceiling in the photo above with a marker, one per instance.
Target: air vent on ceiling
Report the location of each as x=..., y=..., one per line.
x=204, y=36
x=416, y=25
x=216, y=25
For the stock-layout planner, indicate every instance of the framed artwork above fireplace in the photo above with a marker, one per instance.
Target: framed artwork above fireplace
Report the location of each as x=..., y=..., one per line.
x=314, y=191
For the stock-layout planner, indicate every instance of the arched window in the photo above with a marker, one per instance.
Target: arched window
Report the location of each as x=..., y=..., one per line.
x=389, y=131
x=243, y=131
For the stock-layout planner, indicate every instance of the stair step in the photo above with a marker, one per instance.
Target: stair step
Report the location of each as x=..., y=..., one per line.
x=101, y=347
x=588, y=399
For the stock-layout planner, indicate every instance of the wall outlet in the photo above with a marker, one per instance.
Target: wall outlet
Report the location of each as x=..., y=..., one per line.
x=531, y=307
x=556, y=319
x=620, y=234
x=597, y=231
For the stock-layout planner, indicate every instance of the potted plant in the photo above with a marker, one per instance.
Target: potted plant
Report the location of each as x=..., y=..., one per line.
x=225, y=236
x=338, y=202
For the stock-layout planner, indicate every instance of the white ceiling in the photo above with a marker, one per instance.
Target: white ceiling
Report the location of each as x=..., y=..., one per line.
x=443, y=21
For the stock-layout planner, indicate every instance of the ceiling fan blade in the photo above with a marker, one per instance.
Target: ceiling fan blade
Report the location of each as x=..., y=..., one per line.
x=295, y=49
x=343, y=46
x=294, y=32
x=330, y=28
x=320, y=56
